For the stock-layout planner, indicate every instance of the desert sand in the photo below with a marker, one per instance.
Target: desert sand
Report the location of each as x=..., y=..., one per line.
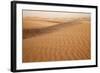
x=56, y=39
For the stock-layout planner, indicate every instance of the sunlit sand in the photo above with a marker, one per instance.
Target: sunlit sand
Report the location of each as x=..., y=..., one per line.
x=58, y=38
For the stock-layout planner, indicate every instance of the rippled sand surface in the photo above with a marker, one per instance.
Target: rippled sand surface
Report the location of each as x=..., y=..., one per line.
x=55, y=40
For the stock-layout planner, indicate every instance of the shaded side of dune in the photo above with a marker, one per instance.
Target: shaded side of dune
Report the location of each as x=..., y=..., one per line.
x=28, y=33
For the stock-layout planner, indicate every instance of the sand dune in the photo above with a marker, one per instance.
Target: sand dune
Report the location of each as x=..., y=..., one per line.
x=56, y=42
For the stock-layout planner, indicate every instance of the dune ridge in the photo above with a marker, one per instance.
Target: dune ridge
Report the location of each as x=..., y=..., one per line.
x=56, y=41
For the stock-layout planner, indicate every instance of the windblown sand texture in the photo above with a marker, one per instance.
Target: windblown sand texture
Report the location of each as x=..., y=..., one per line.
x=55, y=36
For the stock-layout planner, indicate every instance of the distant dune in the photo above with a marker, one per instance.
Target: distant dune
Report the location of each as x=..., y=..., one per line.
x=53, y=40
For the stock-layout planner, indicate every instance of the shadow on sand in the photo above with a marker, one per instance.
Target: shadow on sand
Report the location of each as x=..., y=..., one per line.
x=28, y=33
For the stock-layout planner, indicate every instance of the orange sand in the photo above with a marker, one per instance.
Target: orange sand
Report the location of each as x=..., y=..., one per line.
x=52, y=42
